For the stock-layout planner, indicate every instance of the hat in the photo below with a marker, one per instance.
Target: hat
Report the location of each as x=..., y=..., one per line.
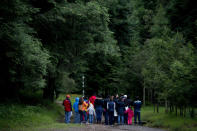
x=67, y=96
x=125, y=96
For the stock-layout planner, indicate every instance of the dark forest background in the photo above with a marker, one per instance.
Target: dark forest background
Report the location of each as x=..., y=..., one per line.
x=135, y=47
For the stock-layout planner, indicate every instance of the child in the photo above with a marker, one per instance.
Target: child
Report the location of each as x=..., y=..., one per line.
x=76, y=108
x=91, y=112
x=130, y=113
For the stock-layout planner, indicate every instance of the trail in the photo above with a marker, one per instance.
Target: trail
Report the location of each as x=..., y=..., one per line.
x=95, y=127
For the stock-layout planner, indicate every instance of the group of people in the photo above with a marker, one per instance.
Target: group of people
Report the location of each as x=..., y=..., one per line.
x=116, y=109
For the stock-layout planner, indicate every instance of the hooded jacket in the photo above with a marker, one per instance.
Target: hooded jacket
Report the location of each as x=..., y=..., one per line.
x=91, y=110
x=75, y=105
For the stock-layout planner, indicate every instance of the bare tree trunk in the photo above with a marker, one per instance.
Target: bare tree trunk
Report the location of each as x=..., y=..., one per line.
x=166, y=105
x=144, y=95
x=176, y=110
x=184, y=113
x=151, y=96
x=157, y=107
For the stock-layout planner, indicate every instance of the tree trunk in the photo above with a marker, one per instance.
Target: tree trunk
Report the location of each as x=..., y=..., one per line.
x=48, y=92
x=176, y=110
x=144, y=95
x=157, y=107
x=166, y=106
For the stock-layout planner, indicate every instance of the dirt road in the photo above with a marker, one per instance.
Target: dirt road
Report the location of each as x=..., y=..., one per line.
x=96, y=127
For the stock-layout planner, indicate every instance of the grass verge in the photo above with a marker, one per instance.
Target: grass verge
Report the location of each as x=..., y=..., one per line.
x=26, y=117
x=167, y=120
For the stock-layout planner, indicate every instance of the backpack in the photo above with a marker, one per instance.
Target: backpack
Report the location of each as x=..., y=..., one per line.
x=111, y=106
x=67, y=105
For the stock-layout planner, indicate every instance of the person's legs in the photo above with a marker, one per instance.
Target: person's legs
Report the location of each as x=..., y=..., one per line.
x=65, y=117
x=78, y=117
x=81, y=116
x=75, y=117
x=101, y=112
x=135, y=117
x=111, y=117
x=125, y=118
x=118, y=119
x=139, y=120
x=129, y=121
x=69, y=115
x=90, y=118
x=85, y=116
x=122, y=118
x=106, y=118
x=97, y=115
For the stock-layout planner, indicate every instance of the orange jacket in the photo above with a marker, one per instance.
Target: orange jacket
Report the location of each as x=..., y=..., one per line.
x=84, y=106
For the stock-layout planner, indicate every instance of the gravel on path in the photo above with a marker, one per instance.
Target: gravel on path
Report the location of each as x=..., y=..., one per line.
x=96, y=127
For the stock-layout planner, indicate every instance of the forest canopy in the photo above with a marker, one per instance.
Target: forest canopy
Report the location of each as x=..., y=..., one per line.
x=120, y=46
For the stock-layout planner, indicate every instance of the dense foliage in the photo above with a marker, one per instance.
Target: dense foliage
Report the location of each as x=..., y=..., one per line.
x=135, y=47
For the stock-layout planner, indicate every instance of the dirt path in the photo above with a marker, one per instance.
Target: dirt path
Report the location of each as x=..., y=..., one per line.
x=96, y=127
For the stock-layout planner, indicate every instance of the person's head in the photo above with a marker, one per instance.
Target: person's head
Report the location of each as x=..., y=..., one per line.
x=117, y=96
x=81, y=100
x=111, y=98
x=77, y=99
x=122, y=99
x=68, y=96
x=137, y=98
x=125, y=96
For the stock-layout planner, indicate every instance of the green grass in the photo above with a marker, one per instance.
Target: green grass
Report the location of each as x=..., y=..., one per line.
x=72, y=97
x=45, y=115
x=25, y=117
x=168, y=121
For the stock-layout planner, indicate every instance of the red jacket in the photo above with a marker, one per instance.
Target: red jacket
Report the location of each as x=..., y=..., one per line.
x=92, y=99
x=130, y=113
x=67, y=105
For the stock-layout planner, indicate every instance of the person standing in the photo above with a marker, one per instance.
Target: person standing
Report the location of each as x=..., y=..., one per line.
x=121, y=109
x=76, y=108
x=106, y=111
x=83, y=110
x=92, y=99
x=116, y=109
x=111, y=107
x=130, y=114
x=98, y=104
x=68, y=108
x=137, y=106
x=91, y=112
x=126, y=107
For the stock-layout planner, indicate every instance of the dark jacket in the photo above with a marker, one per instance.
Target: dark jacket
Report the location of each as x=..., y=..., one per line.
x=137, y=105
x=98, y=104
x=105, y=104
x=120, y=107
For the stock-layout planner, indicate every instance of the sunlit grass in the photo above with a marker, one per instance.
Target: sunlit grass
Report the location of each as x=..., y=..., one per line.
x=72, y=97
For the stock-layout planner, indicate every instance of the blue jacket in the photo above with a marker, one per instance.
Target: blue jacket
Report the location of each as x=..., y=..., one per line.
x=137, y=105
x=75, y=105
